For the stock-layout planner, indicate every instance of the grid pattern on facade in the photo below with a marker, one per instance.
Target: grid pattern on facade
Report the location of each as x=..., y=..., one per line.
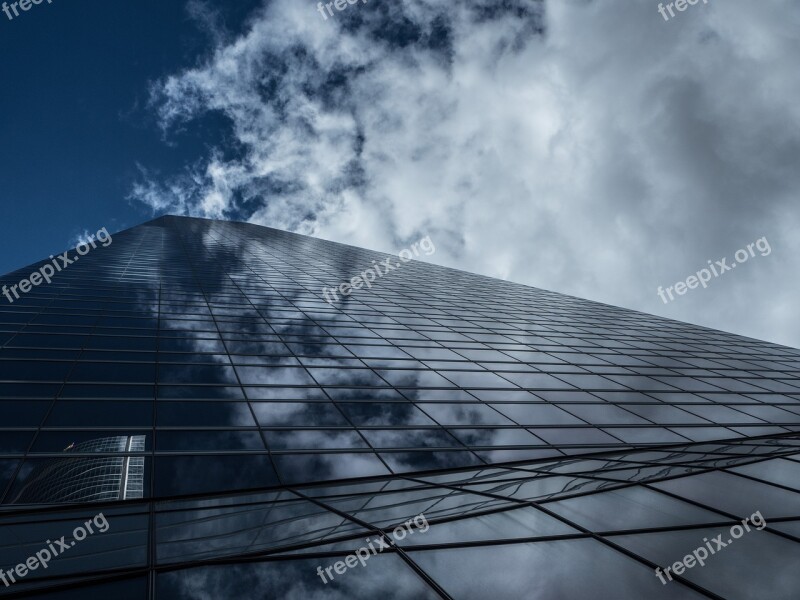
x=211, y=344
x=88, y=479
x=572, y=527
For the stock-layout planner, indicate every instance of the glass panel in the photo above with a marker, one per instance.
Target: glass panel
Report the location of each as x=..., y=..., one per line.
x=545, y=570
x=295, y=578
x=759, y=554
x=630, y=508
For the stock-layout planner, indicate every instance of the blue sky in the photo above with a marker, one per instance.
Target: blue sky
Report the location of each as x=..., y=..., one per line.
x=74, y=120
x=586, y=147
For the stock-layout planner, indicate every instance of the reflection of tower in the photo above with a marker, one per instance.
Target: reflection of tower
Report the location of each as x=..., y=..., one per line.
x=88, y=479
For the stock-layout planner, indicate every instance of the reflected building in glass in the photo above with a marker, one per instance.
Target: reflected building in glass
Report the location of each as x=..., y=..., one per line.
x=89, y=479
x=559, y=448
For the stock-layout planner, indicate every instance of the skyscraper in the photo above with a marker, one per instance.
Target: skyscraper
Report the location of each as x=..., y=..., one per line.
x=90, y=479
x=556, y=447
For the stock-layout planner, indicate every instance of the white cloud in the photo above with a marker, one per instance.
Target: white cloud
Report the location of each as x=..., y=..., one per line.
x=584, y=147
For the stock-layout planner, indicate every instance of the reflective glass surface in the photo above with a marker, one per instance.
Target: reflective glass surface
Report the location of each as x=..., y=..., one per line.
x=191, y=383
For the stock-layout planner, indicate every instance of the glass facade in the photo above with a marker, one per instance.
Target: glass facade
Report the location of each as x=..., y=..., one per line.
x=89, y=479
x=239, y=432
